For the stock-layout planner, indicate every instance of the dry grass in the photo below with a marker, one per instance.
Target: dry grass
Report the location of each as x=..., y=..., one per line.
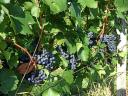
x=100, y=91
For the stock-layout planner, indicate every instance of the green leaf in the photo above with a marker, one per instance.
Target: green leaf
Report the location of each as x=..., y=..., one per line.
x=78, y=46
x=22, y=24
x=8, y=81
x=5, y=1
x=3, y=44
x=64, y=62
x=76, y=13
x=70, y=46
x=1, y=66
x=28, y=5
x=121, y=5
x=13, y=62
x=98, y=67
x=85, y=40
x=74, y=10
x=101, y=73
x=85, y=83
x=88, y=3
x=55, y=31
x=83, y=53
x=64, y=86
x=35, y=11
x=100, y=70
x=50, y=92
x=9, y=84
x=15, y=10
x=68, y=76
x=1, y=16
x=7, y=55
x=122, y=54
x=56, y=6
x=58, y=71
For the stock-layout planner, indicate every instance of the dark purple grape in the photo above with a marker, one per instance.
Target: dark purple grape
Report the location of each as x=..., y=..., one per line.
x=37, y=77
x=24, y=58
x=72, y=61
x=70, y=57
x=108, y=38
x=46, y=59
x=92, y=39
x=111, y=46
x=110, y=41
x=90, y=35
x=63, y=53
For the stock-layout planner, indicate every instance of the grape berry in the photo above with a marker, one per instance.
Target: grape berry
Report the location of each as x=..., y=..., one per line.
x=110, y=41
x=71, y=57
x=45, y=58
x=92, y=39
x=36, y=76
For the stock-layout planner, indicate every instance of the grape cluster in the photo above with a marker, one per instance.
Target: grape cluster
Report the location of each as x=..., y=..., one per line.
x=36, y=76
x=62, y=52
x=110, y=40
x=71, y=57
x=73, y=61
x=92, y=39
x=24, y=58
x=45, y=58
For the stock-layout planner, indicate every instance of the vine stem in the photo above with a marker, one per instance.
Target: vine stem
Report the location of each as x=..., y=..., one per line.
x=25, y=50
x=38, y=43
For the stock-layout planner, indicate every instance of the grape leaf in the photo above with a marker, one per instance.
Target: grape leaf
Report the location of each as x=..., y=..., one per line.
x=7, y=54
x=121, y=5
x=70, y=46
x=50, y=92
x=1, y=16
x=3, y=44
x=74, y=10
x=5, y=1
x=64, y=62
x=85, y=83
x=35, y=11
x=8, y=81
x=28, y=5
x=56, y=6
x=88, y=3
x=78, y=46
x=68, y=76
x=13, y=61
x=83, y=53
x=22, y=24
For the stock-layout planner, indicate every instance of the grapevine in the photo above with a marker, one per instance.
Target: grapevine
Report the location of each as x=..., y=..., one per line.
x=61, y=47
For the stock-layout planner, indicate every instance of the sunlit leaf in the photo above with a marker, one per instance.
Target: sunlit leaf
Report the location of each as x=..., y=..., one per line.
x=50, y=92
x=68, y=76
x=35, y=11
x=5, y=1
x=121, y=5
x=85, y=83
x=88, y=3
x=84, y=53
x=56, y=6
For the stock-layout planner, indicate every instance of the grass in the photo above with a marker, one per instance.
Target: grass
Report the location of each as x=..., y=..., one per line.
x=99, y=90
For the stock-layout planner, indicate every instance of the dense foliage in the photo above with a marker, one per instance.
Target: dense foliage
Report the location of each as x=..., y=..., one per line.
x=58, y=47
